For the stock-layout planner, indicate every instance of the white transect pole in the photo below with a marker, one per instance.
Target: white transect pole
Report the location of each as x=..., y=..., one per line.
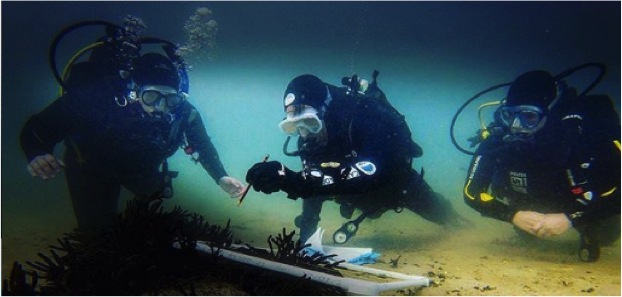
x=350, y=285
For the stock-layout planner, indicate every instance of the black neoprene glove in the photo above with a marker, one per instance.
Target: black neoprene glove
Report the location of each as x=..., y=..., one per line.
x=270, y=177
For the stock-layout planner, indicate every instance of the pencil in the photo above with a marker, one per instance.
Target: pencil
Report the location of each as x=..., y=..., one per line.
x=265, y=159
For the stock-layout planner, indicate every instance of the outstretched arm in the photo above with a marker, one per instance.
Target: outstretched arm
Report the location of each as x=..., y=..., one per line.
x=208, y=155
x=367, y=168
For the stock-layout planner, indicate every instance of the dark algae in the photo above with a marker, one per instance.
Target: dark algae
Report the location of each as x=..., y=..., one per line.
x=151, y=251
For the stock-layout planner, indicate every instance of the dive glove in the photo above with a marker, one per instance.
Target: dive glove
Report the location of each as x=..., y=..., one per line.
x=270, y=177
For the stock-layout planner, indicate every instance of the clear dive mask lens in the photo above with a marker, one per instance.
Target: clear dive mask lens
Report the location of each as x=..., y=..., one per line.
x=153, y=96
x=305, y=118
x=523, y=117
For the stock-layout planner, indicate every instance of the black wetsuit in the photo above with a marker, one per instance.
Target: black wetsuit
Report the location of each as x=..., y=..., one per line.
x=341, y=169
x=109, y=146
x=571, y=166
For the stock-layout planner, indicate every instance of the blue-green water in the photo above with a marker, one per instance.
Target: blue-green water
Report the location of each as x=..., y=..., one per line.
x=432, y=56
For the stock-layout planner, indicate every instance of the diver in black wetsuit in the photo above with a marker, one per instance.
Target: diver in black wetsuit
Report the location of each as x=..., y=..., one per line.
x=355, y=149
x=556, y=166
x=113, y=143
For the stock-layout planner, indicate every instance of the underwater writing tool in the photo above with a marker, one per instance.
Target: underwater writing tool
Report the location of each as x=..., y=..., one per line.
x=265, y=159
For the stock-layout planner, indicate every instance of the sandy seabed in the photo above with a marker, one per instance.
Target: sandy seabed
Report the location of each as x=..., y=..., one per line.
x=488, y=259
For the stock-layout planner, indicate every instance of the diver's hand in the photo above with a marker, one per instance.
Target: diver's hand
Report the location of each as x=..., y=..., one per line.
x=45, y=166
x=552, y=225
x=232, y=186
x=528, y=221
x=269, y=177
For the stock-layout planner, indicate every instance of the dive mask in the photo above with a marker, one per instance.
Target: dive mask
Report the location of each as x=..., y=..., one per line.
x=153, y=95
x=526, y=119
x=301, y=117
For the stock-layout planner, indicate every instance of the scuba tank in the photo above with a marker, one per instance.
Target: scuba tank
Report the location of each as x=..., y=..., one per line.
x=114, y=53
x=369, y=93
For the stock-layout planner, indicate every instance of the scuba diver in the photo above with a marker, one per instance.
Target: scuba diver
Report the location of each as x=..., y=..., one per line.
x=550, y=161
x=121, y=114
x=356, y=149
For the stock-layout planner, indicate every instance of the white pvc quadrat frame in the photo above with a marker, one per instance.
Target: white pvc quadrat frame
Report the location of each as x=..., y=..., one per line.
x=350, y=285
